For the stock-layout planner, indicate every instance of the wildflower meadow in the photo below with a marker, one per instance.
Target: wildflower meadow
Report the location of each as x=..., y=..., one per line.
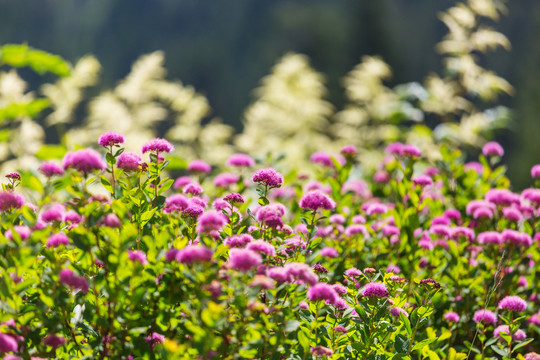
x=424, y=260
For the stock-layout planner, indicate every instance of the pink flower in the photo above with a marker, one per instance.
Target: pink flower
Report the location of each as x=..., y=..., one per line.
x=211, y=221
x=234, y=199
x=422, y=180
x=270, y=215
x=58, y=239
x=348, y=150
x=154, y=339
x=9, y=200
x=22, y=230
x=451, y=316
x=316, y=200
x=53, y=213
x=72, y=217
x=535, y=171
x=325, y=159
x=199, y=166
x=301, y=273
x=358, y=187
x=485, y=316
x=502, y=197
x=137, y=256
x=262, y=246
x=493, y=148
x=8, y=343
x=239, y=240
x=181, y=182
x=157, y=145
x=129, y=161
x=375, y=208
x=194, y=253
x=355, y=229
x=489, y=237
x=329, y=252
x=374, y=289
x=513, y=303
x=474, y=166
x=240, y=160
x=110, y=138
x=193, y=189
x=322, y=292
x=396, y=311
x=85, y=161
x=320, y=350
x=243, y=259
x=175, y=202
x=353, y=272
x=77, y=282
x=54, y=341
x=226, y=179
x=110, y=220
x=50, y=169
x=268, y=177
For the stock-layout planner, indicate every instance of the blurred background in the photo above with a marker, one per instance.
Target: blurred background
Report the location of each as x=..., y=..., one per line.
x=224, y=48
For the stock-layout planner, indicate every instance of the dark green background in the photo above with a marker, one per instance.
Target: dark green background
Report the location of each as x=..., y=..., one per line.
x=223, y=48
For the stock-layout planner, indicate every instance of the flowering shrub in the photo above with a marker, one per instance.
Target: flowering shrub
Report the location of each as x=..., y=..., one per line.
x=105, y=258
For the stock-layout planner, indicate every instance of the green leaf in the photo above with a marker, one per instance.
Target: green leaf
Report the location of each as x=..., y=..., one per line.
x=303, y=338
x=291, y=325
x=21, y=55
x=407, y=323
x=106, y=184
x=499, y=351
x=30, y=108
x=402, y=344
x=423, y=343
x=523, y=343
x=263, y=201
x=165, y=185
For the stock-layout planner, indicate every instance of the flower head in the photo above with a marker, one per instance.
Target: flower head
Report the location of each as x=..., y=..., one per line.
x=315, y=200
x=199, y=166
x=396, y=311
x=129, y=161
x=157, y=145
x=493, y=148
x=193, y=253
x=225, y=179
x=322, y=291
x=244, y=259
x=85, y=161
x=50, y=169
x=234, y=199
x=320, y=350
x=485, y=316
x=9, y=200
x=137, y=256
x=374, y=289
x=329, y=252
x=451, y=316
x=70, y=279
x=513, y=303
x=58, y=239
x=240, y=160
x=211, y=221
x=268, y=177
x=53, y=341
x=111, y=138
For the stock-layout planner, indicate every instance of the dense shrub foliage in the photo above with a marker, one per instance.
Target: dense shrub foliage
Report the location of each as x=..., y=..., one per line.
x=106, y=256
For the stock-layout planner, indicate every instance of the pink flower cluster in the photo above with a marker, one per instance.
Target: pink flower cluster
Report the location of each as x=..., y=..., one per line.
x=70, y=279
